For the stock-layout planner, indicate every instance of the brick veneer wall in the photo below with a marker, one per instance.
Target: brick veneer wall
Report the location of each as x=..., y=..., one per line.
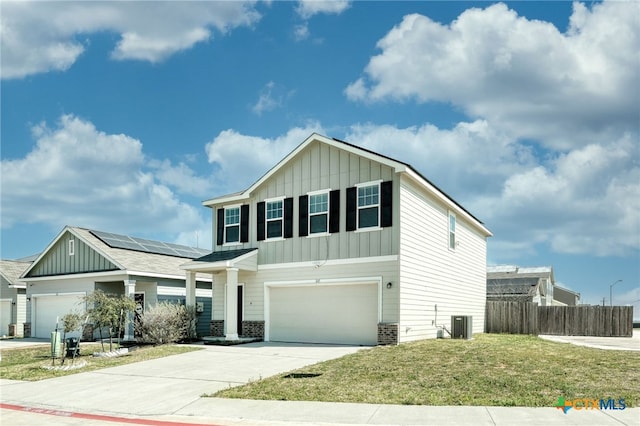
x=253, y=329
x=217, y=328
x=387, y=333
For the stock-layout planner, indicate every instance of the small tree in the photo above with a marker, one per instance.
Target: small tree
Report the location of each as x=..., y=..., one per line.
x=107, y=312
x=70, y=322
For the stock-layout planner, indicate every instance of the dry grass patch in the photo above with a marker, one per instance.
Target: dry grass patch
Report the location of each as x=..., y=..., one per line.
x=26, y=363
x=493, y=370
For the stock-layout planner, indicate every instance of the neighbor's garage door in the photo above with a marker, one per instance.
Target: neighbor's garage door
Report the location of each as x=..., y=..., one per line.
x=5, y=316
x=47, y=308
x=342, y=314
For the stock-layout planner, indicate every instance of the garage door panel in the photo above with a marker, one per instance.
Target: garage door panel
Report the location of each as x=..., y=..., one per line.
x=340, y=314
x=5, y=316
x=48, y=308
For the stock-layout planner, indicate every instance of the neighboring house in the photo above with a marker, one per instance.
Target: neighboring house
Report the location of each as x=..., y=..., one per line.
x=527, y=284
x=338, y=244
x=13, y=299
x=564, y=296
x=79, y=261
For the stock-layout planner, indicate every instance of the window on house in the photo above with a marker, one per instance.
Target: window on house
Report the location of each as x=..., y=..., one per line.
x=232, y=225
x=274, y=213
x=319, y=213
x=368, y=206
x=452, y=231
x=72, y=247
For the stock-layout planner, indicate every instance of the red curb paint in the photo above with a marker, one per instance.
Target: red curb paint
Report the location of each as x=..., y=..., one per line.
x=85, y=416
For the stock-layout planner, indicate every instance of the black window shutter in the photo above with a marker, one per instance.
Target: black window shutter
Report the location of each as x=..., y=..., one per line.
x=220, y=227
x=260, y=221
x=334, y=211
x=386, y=202
x=288, y=217
x=244, y=223
x=303, y=215
x=352, y=208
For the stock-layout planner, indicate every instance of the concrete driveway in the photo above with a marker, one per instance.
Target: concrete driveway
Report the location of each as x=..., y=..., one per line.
x=163, y=386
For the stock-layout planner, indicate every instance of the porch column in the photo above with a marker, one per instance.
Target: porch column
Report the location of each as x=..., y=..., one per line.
x=231, y=297
x=191, y=289
x=129, y=290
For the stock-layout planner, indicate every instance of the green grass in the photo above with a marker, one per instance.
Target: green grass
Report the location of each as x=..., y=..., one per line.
x=26, y=363
x=492, y=370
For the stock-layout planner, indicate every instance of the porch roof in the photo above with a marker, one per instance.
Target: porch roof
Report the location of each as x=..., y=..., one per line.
x=243, y=259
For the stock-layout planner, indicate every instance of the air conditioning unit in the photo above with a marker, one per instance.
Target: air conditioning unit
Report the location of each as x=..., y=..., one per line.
x=461, y=327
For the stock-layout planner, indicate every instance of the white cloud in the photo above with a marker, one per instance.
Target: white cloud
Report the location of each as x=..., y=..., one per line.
x=584, y=202
x=78, y=175
x=182, y=178
x=301, y=32
x=565, y=89
x=241, y=160
x=266, y=100
x=308, y=8
x=41, y=36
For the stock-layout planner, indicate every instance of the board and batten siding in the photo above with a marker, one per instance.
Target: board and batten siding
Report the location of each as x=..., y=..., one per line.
x=319, y=167
x=57, y=261
x=433, y=275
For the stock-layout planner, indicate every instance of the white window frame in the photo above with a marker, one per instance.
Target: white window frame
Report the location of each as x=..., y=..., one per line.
x=72, y=247
x=452, y=237
x=309, y=214
x=227, y=208
x=267, y=220
x=377, y=205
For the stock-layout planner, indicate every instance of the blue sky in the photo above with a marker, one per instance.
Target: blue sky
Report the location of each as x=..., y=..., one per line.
x=124, y=116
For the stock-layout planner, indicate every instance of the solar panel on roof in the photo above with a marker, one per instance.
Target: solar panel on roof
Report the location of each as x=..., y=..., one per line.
x=148, y=246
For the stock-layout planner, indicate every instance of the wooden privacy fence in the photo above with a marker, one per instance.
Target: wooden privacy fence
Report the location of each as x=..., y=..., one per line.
x=529, y=318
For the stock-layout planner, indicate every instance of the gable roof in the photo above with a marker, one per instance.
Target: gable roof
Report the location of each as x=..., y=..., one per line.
x=507, y=272
x=11, y=270
x=128, y=261
x=398, y=166
x=513, y=287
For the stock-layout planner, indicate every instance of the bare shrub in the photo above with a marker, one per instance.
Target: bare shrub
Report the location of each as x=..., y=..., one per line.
x=167, y=323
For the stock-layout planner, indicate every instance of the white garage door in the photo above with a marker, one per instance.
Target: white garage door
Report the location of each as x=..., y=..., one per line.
x=47, y=308
x=5, y=316
x=340, y=314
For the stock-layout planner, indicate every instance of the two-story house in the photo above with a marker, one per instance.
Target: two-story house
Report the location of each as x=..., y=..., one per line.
x=338, y=244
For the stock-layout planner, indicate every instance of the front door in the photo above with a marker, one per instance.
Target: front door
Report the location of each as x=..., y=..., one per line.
x=240, y=304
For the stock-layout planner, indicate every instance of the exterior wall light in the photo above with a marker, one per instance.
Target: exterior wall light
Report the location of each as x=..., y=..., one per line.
x=389, y=285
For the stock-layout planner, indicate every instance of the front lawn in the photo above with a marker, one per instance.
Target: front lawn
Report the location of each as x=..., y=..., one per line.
x=27, y=363
x=491, y=369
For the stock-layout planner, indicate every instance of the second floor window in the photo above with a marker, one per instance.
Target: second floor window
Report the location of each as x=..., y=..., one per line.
x=368, y=206
x=274, y=219
x=318, y=213
x=452, y=231
x=232, y=225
